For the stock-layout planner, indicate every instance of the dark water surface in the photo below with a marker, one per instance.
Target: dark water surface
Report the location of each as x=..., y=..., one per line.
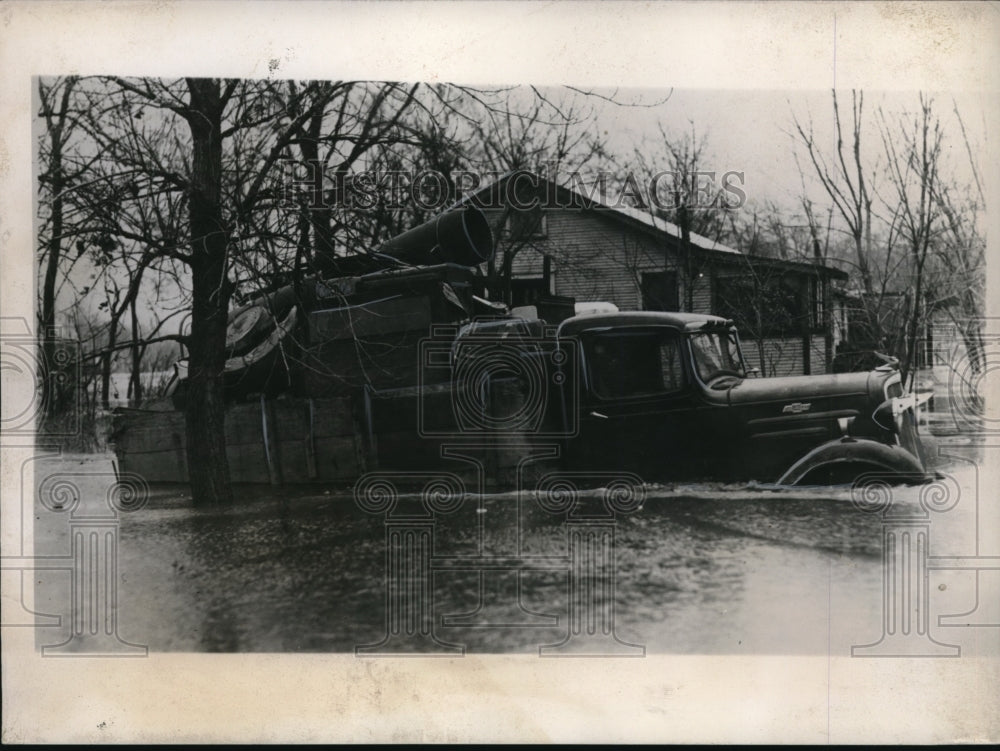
x=698, y=569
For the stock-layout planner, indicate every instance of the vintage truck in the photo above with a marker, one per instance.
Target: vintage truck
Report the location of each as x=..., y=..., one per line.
x=669, y=396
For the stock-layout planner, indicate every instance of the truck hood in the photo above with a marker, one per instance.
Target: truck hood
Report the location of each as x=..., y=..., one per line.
x=793, y=389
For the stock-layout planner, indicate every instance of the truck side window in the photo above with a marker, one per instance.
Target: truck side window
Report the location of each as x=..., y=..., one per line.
x=625, y=364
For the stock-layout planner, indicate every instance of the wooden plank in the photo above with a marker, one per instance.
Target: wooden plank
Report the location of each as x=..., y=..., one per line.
x=142, y=432
x=138, y=418
x=338, y=368
x=392, y=412
x=337, y=459
x=242, y=422
x=238, y=463
x=152, y=441
x=179, y=441
x=361, y=453
x=153, y=467
x=333, y=417
x=291, y=417
x=366, y=320
x=247, y=463
x=294, y=467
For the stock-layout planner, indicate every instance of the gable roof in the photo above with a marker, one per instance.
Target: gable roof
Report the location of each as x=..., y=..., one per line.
x=669, y=228
x=497, y=195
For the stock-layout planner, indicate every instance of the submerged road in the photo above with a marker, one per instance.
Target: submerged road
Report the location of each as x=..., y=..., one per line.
x=697, y=569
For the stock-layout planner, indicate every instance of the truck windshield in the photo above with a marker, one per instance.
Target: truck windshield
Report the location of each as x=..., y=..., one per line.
x=717, y=353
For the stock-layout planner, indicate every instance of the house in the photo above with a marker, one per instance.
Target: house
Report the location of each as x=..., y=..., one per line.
x=556, y=242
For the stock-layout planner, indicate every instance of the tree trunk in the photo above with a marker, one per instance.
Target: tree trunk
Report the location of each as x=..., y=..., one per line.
x=913, y=321
x=972, y=334
x=135, y=387
x=106, y=364
x=506, y=282
x=48, y=322
x=760, y=334
x=684, y=219
x=208, y=466
x=319, y=211
x=51, y=396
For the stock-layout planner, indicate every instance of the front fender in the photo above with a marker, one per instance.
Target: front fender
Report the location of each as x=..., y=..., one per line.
x=863, y=452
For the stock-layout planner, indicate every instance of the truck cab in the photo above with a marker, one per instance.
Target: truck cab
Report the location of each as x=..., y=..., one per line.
x=669, y=396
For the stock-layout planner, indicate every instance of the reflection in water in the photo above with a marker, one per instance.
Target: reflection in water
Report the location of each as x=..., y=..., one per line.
x=700, y=569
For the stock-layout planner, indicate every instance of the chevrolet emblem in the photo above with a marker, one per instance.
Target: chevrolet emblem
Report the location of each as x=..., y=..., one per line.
x=796, y=407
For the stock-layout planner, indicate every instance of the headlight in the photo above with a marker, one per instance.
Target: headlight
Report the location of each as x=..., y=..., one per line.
x=883, y=416
x=887, y=413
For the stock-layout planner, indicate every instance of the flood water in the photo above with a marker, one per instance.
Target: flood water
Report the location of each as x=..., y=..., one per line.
x=698, y=569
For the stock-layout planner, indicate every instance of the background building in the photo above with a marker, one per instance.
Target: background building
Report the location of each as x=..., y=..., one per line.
x=556, y=242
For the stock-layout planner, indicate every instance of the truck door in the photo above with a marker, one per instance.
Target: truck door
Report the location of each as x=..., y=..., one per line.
x=635, y=401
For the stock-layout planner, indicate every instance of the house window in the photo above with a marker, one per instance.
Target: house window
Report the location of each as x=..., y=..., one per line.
x=816, y=294
x=527, y=291
x=767, y=305
x=659, y=291
x=522, y=226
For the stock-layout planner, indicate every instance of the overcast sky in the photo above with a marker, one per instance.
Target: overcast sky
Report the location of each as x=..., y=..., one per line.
x=748, y=130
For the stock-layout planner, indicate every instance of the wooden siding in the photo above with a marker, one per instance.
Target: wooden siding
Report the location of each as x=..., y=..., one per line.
x=817, y=345
x=593, y=258
x=783, y=356
x=701, y=295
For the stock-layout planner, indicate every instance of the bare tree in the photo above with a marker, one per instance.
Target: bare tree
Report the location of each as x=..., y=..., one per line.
x=913, y=152
x=536, y=134
x=913, y=230
x=961, y=253
x=685, y=192
x=60, y=171
x=847, y=176
x=309, y=211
